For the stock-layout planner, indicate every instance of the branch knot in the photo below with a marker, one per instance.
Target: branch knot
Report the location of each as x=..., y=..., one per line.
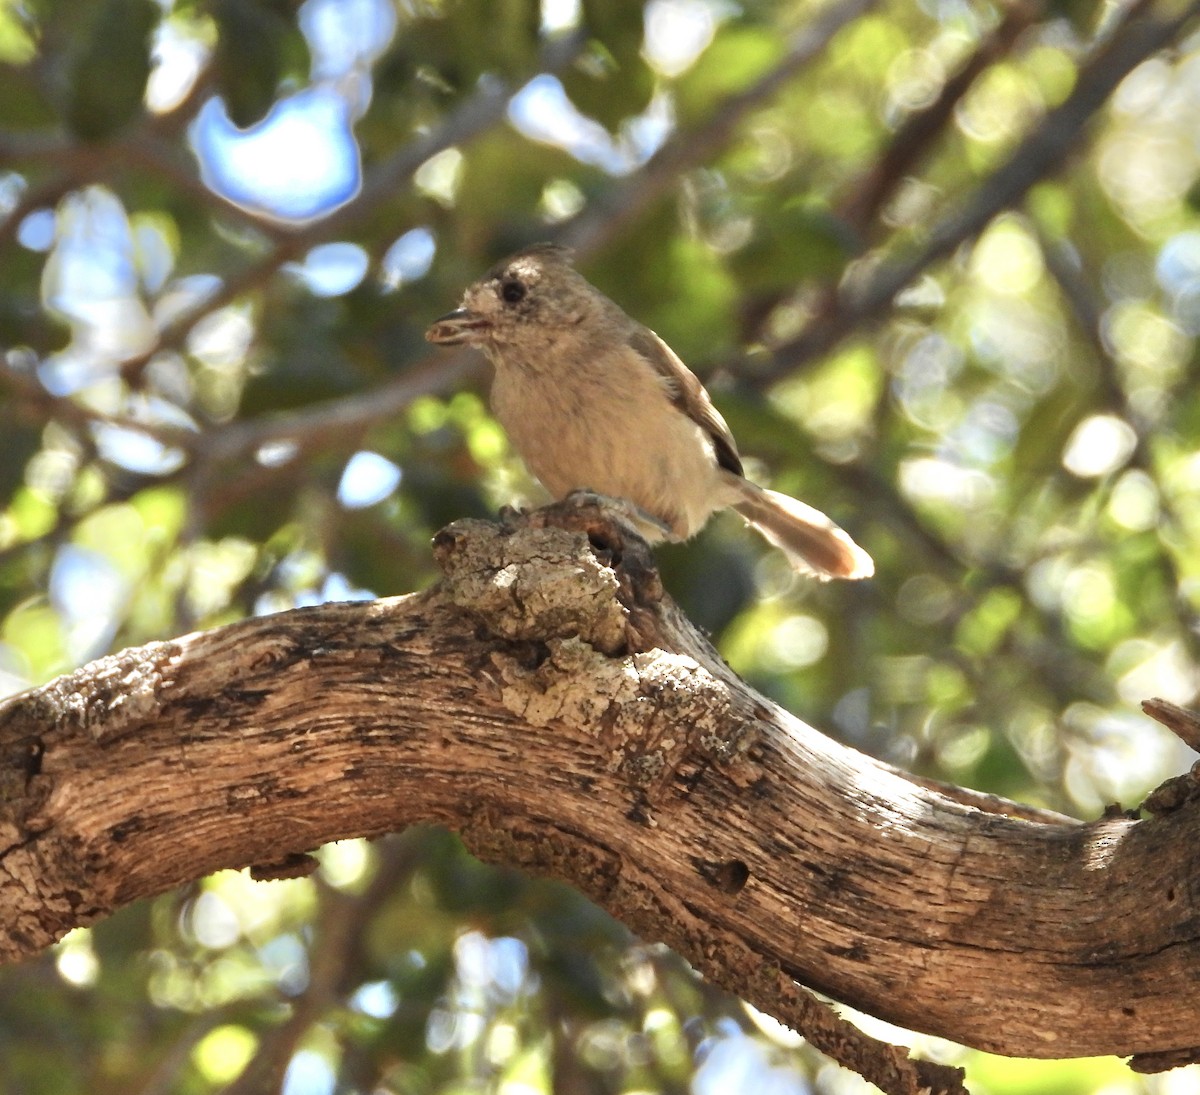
x=572, y=569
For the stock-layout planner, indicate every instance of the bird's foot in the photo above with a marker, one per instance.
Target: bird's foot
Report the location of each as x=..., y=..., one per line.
x=650, y=528
x=511, y=515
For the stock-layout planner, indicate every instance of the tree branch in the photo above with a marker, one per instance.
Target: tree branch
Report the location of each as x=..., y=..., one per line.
x=551, y=704
x=475, y=115
x=1041, y=153
x=626, y=201
x=922, y=129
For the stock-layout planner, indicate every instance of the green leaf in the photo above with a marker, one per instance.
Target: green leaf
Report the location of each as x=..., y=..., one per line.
x=108, y=75
x=18, y=442
x=34, y=629
x=256, y=47
x=612, y=81
x=25, y=107
x=1010, y=1076
x=18, y=38
x=450, y=51
x=738, y=57
x=799, y=241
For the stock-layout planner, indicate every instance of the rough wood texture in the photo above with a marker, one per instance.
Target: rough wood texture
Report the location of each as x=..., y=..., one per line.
x=561, y=714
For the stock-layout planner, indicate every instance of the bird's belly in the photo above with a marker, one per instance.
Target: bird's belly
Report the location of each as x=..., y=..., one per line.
x=632, y=445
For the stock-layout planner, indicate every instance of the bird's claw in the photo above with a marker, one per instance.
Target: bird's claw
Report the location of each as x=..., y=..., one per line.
x=646, y=523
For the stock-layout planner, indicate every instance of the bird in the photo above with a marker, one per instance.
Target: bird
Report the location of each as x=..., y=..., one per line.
x=594, y=401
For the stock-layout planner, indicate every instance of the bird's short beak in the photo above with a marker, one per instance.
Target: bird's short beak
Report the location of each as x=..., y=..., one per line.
x=457, y=327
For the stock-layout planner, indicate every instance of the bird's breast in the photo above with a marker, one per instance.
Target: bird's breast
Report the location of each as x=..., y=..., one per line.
x=608, y=425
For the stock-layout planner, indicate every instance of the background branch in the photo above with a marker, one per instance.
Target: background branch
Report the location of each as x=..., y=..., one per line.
x=1042, y=152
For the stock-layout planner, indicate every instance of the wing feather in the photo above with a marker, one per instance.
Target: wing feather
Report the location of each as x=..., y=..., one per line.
x=688, y=394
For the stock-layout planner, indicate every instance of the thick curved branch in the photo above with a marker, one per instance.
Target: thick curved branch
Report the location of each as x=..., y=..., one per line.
x=548, y=702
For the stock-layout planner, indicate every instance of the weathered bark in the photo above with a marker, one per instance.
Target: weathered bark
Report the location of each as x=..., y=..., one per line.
x=564, y=717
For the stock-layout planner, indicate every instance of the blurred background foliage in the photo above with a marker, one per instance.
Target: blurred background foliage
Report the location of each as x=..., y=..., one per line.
x=939, y=263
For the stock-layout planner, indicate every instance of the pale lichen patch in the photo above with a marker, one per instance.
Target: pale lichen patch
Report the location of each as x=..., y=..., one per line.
x=111, y=695
x=644, y=711
x=545, y=583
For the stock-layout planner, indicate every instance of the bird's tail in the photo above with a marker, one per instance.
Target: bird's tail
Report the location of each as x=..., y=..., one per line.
x=812, y=542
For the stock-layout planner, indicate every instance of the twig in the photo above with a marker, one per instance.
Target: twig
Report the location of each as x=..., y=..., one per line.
x=1086, y=313
x=910, y=144
x=1164, y=1062
x=1178, y=791
x=1182, y=722
x=149, y=152
x=887, y=1066
x=39, y=148
x=79, y=162
x=29, y=393
x=349, y=415
x=478, y=113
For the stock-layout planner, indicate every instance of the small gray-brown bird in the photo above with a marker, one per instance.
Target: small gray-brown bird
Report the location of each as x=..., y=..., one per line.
x=592, y=400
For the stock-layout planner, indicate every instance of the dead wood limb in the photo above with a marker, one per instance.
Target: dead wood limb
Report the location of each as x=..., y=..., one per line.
x=547, y=701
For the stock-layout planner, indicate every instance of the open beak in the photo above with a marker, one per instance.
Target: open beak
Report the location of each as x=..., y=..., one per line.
x=457, y=327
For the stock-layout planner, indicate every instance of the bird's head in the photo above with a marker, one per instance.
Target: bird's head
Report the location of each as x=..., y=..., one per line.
x=523, y=302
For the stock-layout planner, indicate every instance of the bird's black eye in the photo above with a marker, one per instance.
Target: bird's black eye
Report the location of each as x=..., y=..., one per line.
x=512, y=291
